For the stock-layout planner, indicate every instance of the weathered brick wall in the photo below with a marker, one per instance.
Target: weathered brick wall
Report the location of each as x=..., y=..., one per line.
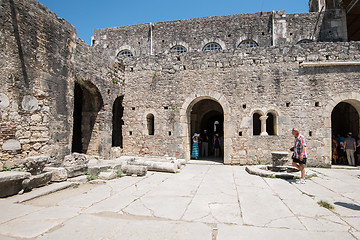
x=263, y=78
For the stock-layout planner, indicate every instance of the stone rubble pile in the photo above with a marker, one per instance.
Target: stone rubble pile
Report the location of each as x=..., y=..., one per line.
x=39, y=171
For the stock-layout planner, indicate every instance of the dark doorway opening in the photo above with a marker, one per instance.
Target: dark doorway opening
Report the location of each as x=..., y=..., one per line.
x=344, y=119
x=77, y=119
x=208, y=115
x=87, y=104
x=118, y=110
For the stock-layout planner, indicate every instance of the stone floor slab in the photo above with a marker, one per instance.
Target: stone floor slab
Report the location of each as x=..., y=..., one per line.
x=112, y=227
x=227, y=232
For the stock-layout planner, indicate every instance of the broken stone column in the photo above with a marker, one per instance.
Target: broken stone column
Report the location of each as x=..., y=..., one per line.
x=155, y=166
x=130, y=170
x=12, y=182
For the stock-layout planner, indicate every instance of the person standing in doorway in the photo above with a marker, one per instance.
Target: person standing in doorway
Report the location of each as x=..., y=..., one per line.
x=217, y=145
x=299, y=156
x=195, y=147
x=204, y=137
x=350, y=148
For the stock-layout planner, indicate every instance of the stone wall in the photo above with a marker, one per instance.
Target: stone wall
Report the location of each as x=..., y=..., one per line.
x=266, y=29
x=244, y=81
x=41, y=59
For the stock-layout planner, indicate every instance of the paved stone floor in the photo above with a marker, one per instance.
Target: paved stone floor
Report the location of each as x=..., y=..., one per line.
x=201, y=202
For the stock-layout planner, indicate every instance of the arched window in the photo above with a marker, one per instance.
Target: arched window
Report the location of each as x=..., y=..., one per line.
x=126, y=53
x=178, y=49
x=212, y=47
x=270, y=124
x=248, y=43
x=150, y=124
x=256, y=124
x=304, y=41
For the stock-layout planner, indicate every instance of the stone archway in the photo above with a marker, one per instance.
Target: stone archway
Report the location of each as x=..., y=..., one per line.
x=344, y=119
x=185, y=120
x=207, y=114
x=87, y=104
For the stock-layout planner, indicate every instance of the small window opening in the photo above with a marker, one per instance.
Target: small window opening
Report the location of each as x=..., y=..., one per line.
x=133, y=108
x=256, y=124
x=108, y=91
x=263, y=33
x=130, y=133
x=184, y=67
x=131, y=69
x=178, y=49
x=240, y=134
x=169, y=133
x=150, y=124
x=287, y=104
x=304, y=41
x=317, y=104
x=244, y=106
x=310, y=133
x=212, y=47
x=178, y=58
x=126, y=53
x=166, y=107
x=270, y=124
x=248, y=43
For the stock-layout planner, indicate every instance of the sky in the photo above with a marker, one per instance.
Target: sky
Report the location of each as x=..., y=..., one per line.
x=87, y=15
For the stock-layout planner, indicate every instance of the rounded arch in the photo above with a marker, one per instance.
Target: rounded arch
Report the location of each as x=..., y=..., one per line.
x=185, y=119
x=305, y=41
x=272, y=122
x=213, y=41
x=246, y=37
x=351, y=98
x=87, y=103
x=248, y=43
x=146, y=117
x=178, y=43
x=124, y=48
x=150, y=122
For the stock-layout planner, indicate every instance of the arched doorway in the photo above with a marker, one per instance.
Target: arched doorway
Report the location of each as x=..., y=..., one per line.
x=87, y=104
x=207, y=114
x=344, y=119
x=118, y=109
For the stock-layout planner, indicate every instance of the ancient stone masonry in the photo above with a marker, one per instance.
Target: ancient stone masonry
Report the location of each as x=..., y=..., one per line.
x=144, y=90
x=41, y=62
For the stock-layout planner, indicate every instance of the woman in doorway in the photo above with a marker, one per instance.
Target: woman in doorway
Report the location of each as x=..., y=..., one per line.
x=217, y=145
x=195, y=147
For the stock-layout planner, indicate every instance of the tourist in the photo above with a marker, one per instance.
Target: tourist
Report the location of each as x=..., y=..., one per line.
x=299, y=155
x=350, y=148
x=195, y=147
x=216, y=144
x=204, y=137
x=340, y=149
x=334, y=150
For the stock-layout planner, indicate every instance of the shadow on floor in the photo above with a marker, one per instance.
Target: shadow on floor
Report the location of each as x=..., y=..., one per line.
x=348, y=205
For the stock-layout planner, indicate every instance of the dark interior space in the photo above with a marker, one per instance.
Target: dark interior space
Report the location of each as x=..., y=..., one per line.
x=118, y=110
